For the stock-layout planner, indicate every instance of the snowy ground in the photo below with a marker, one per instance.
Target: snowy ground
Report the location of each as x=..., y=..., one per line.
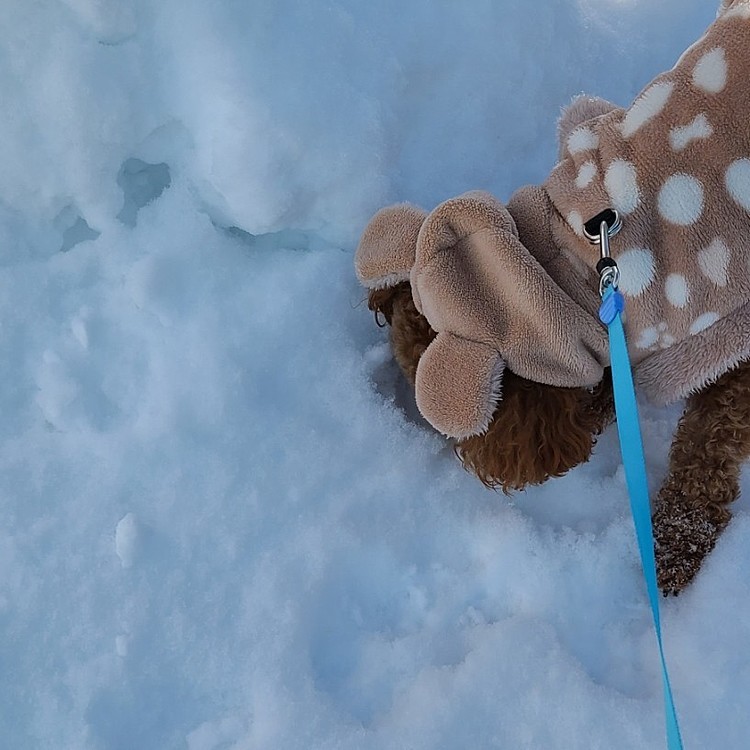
x=221, y=524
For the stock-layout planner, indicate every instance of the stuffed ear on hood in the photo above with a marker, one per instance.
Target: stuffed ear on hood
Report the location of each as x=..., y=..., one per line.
x=582, y=109
x=491, y=303
x=388, y=246
x=458, y=381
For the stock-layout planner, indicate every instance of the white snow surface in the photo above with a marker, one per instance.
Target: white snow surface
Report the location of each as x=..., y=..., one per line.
x=222, y=523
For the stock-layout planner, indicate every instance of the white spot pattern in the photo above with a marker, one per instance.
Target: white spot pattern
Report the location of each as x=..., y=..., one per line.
x=714, y=261
x=698, y=129
x=648, y=105
x=582, y=139
x=741, y=11
x=647, y=338
x=637, y=270
x=650, y=337
x=677, y=290
x=575, y=221
x=586, y=174
x=621, y=183
x=737, y=180
x=710, y=73
x=681, y=200
x=704, y=321
x=667, y=340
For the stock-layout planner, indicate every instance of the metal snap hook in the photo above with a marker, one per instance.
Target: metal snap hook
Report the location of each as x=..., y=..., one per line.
x=598, y=231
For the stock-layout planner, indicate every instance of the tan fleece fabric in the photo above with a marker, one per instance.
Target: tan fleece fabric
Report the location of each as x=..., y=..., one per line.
x=520, y=282
x=465, y=410
x=676, y=165
x=388, y=246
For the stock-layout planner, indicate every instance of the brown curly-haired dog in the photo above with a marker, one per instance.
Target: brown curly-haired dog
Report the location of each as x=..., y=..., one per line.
x=540, y=431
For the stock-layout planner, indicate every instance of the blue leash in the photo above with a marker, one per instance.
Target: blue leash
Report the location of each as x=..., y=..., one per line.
x=631, y=447
x=598, y=230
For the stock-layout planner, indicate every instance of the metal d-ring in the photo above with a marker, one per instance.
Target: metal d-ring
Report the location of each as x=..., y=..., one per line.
x=592, y=229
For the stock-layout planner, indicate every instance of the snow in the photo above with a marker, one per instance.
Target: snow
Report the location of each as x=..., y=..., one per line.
x=126, y=540
x=222, y=523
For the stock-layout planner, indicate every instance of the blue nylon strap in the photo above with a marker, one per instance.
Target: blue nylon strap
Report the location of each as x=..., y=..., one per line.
x=631, y=447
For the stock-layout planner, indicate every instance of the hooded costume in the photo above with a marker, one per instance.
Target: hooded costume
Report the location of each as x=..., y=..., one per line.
x=516, y=286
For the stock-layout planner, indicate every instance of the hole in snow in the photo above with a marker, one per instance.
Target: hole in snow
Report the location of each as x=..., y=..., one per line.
x=80, y=231
x=284, y=239
x=141, y=183
x=73, y=227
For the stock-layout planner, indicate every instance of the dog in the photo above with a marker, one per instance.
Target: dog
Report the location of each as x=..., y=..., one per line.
x=492, y=309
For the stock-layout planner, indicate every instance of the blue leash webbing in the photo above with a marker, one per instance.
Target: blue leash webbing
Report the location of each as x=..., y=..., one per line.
x=631, y=447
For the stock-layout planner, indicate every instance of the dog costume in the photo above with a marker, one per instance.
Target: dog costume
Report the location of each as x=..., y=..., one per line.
x=516, y=286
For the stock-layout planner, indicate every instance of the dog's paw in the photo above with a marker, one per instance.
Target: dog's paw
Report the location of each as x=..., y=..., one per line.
x=684, y=533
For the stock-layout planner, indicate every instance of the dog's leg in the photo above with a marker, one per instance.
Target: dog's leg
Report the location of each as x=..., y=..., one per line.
x=692, y=508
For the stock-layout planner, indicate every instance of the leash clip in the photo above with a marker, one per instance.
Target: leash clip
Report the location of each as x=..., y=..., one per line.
x=598, y=232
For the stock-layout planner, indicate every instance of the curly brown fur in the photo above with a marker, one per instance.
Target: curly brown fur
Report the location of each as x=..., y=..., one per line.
x=711, y=442
x=537, y=432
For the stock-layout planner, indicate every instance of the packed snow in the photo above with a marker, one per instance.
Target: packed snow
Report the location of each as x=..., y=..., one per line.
x=222, y=522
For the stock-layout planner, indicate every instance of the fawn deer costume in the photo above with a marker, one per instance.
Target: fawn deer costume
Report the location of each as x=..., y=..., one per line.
x=516, y=286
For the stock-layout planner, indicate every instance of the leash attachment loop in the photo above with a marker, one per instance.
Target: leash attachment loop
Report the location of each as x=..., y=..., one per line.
x=592, y=228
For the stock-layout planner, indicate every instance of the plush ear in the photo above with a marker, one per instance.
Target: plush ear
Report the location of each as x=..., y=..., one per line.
x=387, y=249
x=458, y=385
x=460, y=217
x=580, y=110
x=443, y=230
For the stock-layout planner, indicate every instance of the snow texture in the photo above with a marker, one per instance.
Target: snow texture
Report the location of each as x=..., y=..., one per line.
x=222, y=524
